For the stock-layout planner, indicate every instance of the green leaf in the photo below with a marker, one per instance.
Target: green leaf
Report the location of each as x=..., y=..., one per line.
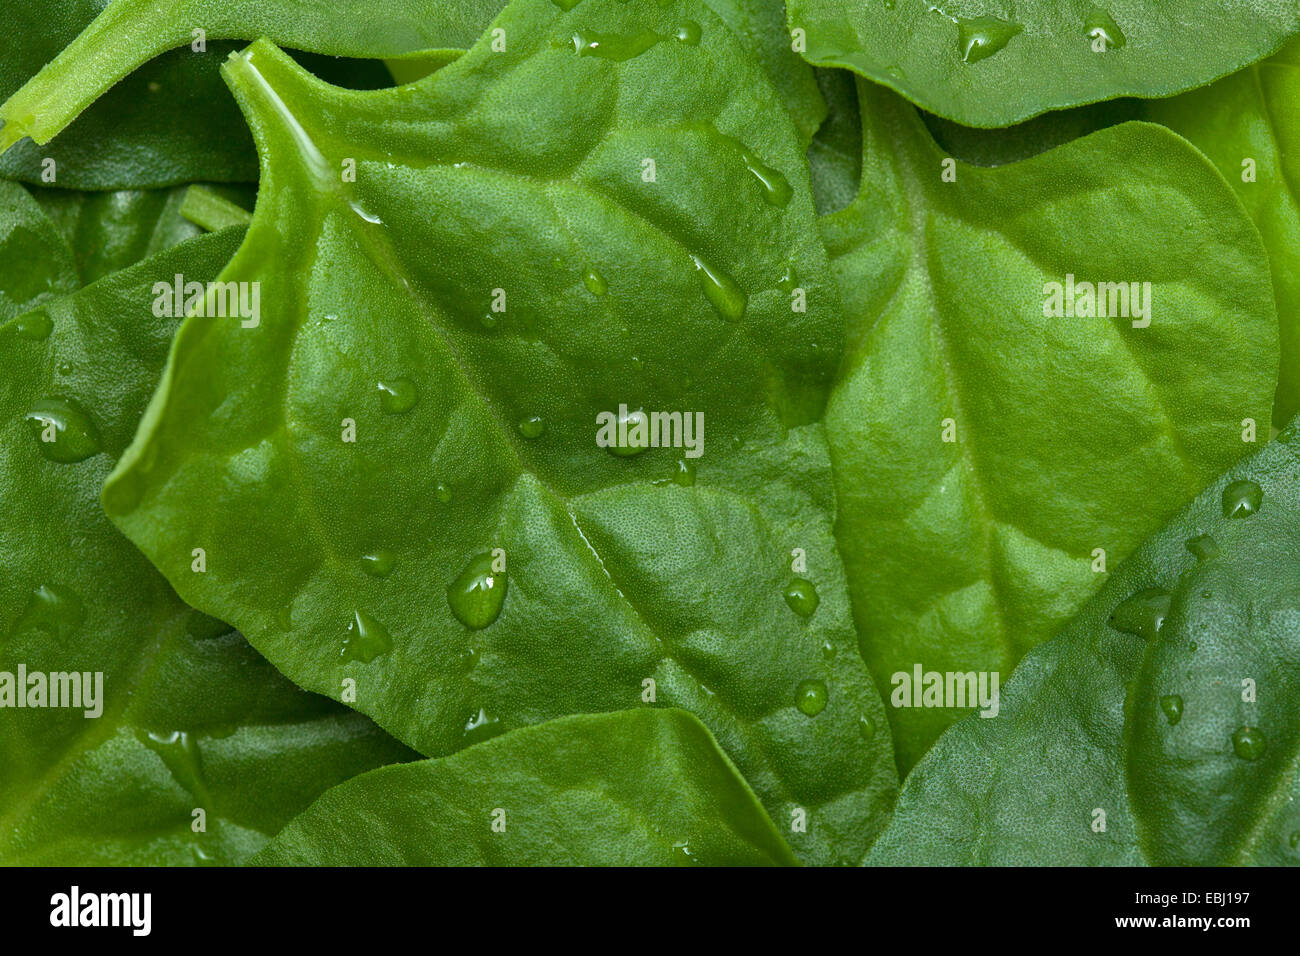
x=835, y=154
x=35, y=261
x=190, y=717
x=1184, y=734
x=1069, y=434
x=633, y=788
x=1255, y=115
x=984, y=64
x=673, y=288
x=1246, y=124
x=415, y=43
x=142, y=133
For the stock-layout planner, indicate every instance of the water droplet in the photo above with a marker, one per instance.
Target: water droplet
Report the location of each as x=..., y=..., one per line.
x=476, y=596
x=52, y=608
x=789, y=280
x=776, y=188
x=65, y=368
x=1099, y=25
x=1143, y=613
x=442, y=492
x=595, y=282
x=397, y=395
x=364, y=214
x=1172, y=705
x=1241, y=499
x=1203, y=547
x=684, y=475
x=802, y=597
x=534, y=426
x=866, y=727
x=633, y=433
x=810, y=697
x=179, y=752
x=63, y=430
x=378, y=565
x=1248, y=743
x=1295, y=839
x=1192, y=647
x=35, y=326
x=682, y=855
x=978, y=38
x=689, y=33
x=482, y=727
x=489, y=320
x=726, y=297
x=366, y=639
x=614, y=46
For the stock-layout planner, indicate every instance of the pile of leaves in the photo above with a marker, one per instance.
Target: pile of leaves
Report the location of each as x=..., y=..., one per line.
x=309, y=319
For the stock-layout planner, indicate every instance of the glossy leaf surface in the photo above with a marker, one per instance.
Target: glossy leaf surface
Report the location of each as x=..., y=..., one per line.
x=631, y=788
x=1160, y=727
x=994, y=64
x=353, y=463
x=984, y=451
x=190, y=717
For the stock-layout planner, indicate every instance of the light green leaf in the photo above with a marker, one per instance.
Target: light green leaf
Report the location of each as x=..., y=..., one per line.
x=1160, y=727
x=987, y=63
x=633, y=788
x=190, y=718
x=670, y=286
x=1068, y=434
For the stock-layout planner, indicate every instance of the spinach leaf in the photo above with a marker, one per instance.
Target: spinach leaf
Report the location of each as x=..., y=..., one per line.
x=632, y=788
x=984, y=452
x=1161, y=726
x=189, y=716
x=984, y=64
x=354, y=462
x=1249, y=126
x=143, y=132
x=131, y=31
x=835, y=153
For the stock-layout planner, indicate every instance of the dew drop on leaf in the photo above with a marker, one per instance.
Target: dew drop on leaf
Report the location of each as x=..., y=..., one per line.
x=1248, y=743
x=482, y=726
x=534, y=426
x=442, y=492
x=489, y=320
x=978, y=38
x=801, y=595
x=866, y=727
x=477, y=594
x=1203, y=547
x=179, y=752
x=789, y=280
x=378, y=565
x=595, y=282
x=810, y=697
x=684, y=474
x=689, y=32
x=63, y=430
x=35, y=326
x=52, y=608
x=1241, y=499
x=397, y=395
x=1172, y=705
x=1143, y=613
x=366, y=639
x=1100, y=25
x=726, y=297
x=1295, y=839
